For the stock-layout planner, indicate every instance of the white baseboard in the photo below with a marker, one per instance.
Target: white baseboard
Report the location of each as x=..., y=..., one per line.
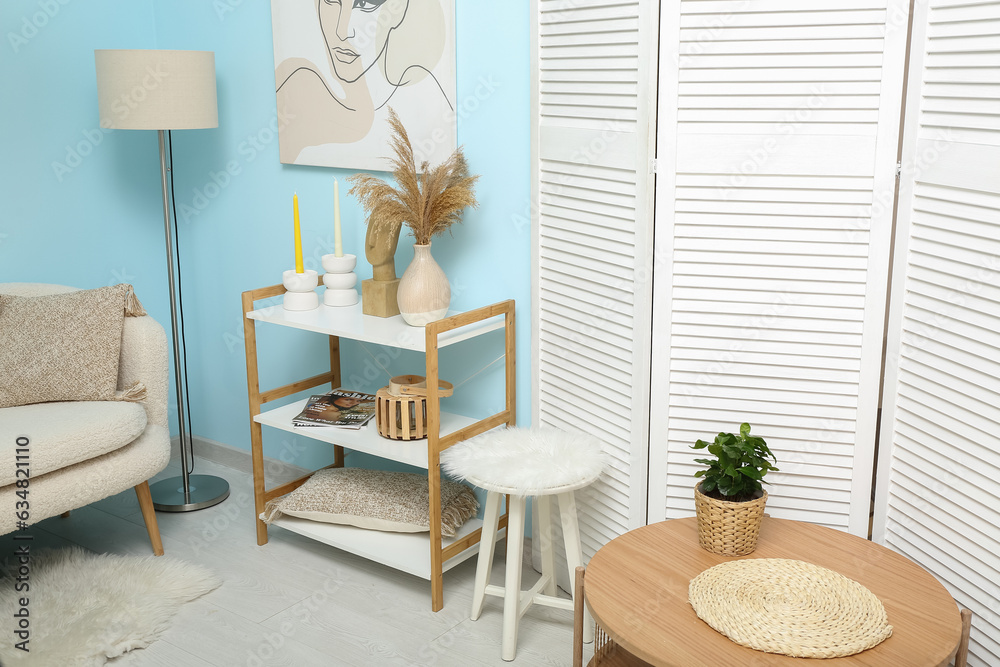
x=235, y=458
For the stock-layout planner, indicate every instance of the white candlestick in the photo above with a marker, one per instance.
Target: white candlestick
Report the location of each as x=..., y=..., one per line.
x=338, y=246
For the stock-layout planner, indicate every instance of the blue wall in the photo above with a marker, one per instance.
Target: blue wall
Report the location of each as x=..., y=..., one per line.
x=78, y=205
x=101, y=222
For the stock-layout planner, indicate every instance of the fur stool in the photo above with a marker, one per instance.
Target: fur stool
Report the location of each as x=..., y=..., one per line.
x=521, y=462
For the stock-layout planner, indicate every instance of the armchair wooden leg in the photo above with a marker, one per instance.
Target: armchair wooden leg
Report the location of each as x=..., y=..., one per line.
x=65, y=514
x=149, y=516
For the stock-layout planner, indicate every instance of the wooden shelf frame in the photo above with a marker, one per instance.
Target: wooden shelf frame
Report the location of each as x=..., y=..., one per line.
x=439, y=553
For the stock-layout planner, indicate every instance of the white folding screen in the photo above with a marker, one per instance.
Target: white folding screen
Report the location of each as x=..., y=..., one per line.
x=593, y=111
x=938, y=496
x=777, y=137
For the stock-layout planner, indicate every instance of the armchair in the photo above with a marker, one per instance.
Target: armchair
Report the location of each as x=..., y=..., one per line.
x=81, y=452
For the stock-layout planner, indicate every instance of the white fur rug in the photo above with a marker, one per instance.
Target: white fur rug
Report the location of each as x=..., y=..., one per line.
x=85, y=608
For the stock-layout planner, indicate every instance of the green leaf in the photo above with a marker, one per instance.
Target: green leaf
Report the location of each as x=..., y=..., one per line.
x=700, y=444
x=701, y=473
x=744, y=429
x=715, y=449
x=708, y=485
x=752, y=473
x=724, y=487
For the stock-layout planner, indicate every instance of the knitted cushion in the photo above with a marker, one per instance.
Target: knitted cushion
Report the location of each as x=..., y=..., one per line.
x=375, y=499
x=63, y=347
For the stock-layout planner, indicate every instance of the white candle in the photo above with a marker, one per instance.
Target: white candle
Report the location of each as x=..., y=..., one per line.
x=338, y=246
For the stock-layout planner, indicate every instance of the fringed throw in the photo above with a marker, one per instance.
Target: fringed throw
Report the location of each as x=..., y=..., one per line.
x=134, y=394
x=133, y=308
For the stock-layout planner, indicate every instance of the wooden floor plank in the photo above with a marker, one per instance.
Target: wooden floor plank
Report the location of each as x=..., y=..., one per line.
x=297, y=602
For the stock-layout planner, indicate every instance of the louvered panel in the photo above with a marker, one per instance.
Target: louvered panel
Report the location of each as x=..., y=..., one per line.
x=604, y=363
x=719, y=343
x=784, y=132
x=746, y=69
x=569, y=319
x=777, y=285
x=577, y=44
x=962, y=46
x=599, y=291
x=939, y=475
x=571, y=370
x=592, y=94
x=583, y=255
x=782, y=387
x=568, y=338
x=559, y=237
x=706, y=353
x=983, y=648
x=836, y=434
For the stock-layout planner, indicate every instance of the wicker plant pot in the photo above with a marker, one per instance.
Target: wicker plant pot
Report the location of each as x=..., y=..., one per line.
x=727, y=528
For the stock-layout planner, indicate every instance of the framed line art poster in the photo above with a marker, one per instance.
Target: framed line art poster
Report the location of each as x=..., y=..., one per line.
x=340, y=64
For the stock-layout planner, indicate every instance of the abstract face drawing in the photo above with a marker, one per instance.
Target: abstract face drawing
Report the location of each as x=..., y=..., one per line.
x=357, y=32
x=339, y=65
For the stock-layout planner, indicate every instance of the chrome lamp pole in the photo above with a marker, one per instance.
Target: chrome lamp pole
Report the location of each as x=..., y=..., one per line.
x=166, y=90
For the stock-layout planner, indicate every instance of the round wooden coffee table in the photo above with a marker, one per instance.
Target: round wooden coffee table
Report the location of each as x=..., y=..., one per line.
x=637, y=590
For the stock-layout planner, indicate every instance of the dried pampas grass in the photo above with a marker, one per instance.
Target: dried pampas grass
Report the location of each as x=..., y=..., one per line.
x=428, y=201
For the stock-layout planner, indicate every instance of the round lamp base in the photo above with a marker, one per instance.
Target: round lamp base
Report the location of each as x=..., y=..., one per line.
x=205, y=491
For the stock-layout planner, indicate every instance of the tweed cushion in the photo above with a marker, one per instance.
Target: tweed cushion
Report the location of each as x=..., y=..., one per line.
x=61, y=347
x=62, y=434
x=375, y=499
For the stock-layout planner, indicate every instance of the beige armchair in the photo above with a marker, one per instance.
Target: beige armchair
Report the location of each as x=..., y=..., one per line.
x=81, y=452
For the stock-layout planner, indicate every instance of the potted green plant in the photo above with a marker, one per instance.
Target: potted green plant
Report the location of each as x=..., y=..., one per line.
x=730, y=498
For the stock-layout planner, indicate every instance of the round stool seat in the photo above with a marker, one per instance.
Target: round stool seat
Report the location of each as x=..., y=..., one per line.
x=526, y=462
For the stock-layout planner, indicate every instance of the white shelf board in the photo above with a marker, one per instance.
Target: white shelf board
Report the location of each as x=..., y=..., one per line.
x=349, y=322
x=366, y=439
x=408, y=552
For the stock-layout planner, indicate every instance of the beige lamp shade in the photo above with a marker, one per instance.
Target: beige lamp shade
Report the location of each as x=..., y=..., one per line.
x=156, y=90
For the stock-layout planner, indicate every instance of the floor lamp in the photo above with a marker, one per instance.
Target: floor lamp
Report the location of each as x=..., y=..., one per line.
x=163, y=91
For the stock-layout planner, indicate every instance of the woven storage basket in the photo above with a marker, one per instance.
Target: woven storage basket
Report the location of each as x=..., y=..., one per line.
x=401, y=407
x=400, y=417
x=728, y=528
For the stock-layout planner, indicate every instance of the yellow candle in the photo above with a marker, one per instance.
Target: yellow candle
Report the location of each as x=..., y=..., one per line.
x=298, y=236
x=338, y=246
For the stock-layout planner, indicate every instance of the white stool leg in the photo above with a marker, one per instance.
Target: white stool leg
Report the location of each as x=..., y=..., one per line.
x=487, y=545
x=547, y=543
x=512, y=578
x=574, y=554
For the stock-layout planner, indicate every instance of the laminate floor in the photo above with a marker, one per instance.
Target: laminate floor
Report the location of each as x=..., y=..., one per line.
x=299, y=603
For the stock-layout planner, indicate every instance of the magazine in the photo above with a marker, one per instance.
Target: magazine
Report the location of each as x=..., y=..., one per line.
x=339, y=408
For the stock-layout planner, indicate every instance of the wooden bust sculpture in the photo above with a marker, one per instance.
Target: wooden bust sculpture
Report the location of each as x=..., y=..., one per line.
x=378, y=295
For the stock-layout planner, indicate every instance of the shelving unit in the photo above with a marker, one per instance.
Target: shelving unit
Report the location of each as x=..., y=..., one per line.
x=425, y=555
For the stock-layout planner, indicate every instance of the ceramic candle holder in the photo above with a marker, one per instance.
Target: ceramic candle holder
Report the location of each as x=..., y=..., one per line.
x=300, y=294
x=340, y=280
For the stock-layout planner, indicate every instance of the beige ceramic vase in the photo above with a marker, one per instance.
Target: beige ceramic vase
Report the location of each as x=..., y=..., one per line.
x=424, y=293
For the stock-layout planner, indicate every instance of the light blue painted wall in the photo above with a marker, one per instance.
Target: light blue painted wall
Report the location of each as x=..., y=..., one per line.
x=103, y=223
x=78, y=206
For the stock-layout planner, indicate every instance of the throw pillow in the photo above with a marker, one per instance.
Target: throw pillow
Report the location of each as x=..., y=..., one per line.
x=375, y=499
x=64, y=347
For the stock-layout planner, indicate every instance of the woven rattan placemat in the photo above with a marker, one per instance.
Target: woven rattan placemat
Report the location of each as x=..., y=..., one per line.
x=789, y=606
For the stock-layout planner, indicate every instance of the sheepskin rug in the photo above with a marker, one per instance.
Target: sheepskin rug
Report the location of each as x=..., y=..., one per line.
x=526, y=461
x=85, y=608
